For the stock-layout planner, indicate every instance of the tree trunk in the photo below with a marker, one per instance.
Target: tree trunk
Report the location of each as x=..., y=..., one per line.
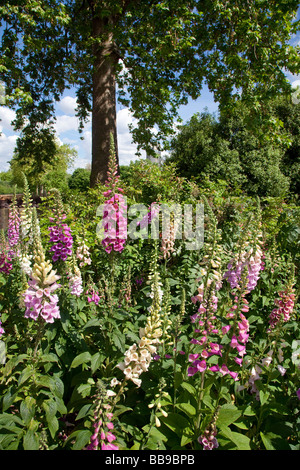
x=104, y=119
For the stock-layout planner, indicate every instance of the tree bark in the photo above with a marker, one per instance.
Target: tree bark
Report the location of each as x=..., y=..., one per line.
x=104, y=118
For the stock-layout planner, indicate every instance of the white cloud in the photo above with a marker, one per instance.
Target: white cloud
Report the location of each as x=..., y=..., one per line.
x=72, y=142
x=86, y=144
x=80, y=163
x=7, y=146
x=124, y=118
x=66, y=127
x=296, y=84
x=68, y=105
x=8, y=137
x=126, y=148
x=7, y=115
x=65, y=123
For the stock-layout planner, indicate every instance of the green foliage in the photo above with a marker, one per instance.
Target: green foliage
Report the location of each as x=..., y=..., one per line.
x=55, y=377
x=6, y=183
x=226, y=149
x=80, y=179
x=44, y=161
x=163, y=53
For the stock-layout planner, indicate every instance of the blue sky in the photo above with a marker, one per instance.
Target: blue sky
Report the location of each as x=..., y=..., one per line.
x=67, y=126
x=67, y=129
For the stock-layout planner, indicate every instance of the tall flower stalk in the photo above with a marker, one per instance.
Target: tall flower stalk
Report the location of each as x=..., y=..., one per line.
x=40, y=299
x=83, y=253
x=114, y=214
x=139, y=356
x=26, y=213
x=102, y=437
x=250, y=254
x=60, y=233
x=5, y=255
x=74, y=278
x=210, y=283
x=13, y=232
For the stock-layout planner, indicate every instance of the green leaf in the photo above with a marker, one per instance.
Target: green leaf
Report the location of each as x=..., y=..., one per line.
x=61, y=407
x=25, y=375
x=7, y=419
x=57, y=386
x=190, y=388
x=50, y=407
x=120, y=409
x=187, y=436
x=82, y=439
x=96, y=360
x=267, y=441
x=82, y=358
x=119, y=340
x=92, y=323
x=241, y=441
x=12, y=363
x=84, y=390
x=249, y=411
x=263, y=396
x=227, y=415
x=180, y=425
x=27, y=409
x=44, y=381
x=155, y=437
x=8, y=399
x=187, y=408
x=31, y=441
x=84, y=411
x=49, y=358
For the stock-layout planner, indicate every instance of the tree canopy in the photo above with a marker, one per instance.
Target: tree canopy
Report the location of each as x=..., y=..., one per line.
x=224, y=148
x=45, y=166
x=155, y=54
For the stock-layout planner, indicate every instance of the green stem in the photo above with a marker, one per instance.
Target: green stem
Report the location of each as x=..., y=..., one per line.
x=39, y=335
x=199, y=404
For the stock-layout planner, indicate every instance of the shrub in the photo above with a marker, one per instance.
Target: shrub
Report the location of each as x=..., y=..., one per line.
x=80, y=179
